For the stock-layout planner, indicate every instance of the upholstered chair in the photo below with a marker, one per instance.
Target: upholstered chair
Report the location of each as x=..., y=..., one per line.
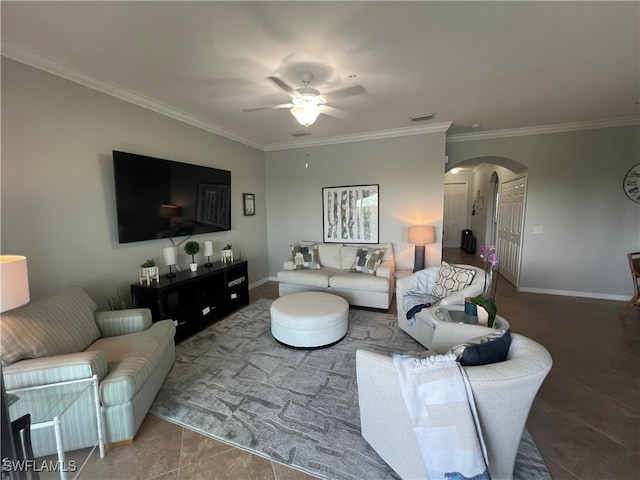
x=503, y=393
x=423, y=327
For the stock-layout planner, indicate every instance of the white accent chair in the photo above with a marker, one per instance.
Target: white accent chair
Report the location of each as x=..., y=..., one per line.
x=423, y=327
x=503, y=392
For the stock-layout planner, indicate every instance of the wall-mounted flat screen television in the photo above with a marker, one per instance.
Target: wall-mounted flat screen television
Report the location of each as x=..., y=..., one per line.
x=158, y=198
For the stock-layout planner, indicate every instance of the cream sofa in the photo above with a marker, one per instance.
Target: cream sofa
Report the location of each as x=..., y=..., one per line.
x=62, y=338
x=503, y=394
x=337, y=275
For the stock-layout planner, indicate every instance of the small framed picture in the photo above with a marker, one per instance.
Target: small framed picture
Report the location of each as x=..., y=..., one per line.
x=249, y=202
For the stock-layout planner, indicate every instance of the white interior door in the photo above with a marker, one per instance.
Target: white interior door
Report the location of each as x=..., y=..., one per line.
x=510, y=222
x=455, y=213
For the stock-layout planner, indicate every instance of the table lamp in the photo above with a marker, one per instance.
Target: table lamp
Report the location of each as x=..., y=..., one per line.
x=170, y=257
x=208, y=251
x=14, y=282
x=420, y=236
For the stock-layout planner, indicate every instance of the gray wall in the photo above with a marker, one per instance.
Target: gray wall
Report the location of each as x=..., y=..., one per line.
x=409, y=170
x=58, y=205
x=574, y=191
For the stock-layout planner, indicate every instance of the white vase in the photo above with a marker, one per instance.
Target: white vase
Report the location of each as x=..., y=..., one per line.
x=193, y=267
x=483, y=316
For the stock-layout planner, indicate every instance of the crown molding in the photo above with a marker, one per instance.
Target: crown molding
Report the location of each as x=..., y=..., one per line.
x=544, y=129
x=361, y=137
x=36, y=60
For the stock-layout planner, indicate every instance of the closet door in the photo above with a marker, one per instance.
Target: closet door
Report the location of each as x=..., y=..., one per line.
x=510, y=224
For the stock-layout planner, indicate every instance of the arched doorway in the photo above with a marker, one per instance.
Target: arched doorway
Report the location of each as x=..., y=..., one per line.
x=492, y=220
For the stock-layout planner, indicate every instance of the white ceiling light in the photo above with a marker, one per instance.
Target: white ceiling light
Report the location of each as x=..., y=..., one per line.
x=307, y=107
x=455, y=170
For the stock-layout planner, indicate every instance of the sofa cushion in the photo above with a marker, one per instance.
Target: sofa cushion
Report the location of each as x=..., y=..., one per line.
x=387, y=247
x=452, y=279
x=368, y=260
x=350, y=280
x=330, y=254
x=305, y=257
x=56, y=325
x=483, y=350
x=348, y=257
x=309, y=278
x=132, y=360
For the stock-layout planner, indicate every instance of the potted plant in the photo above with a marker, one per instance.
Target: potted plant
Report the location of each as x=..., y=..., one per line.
x=148, y=271
x=192, y=248
x=487, y=299
x=121, y=300
x=227, y=254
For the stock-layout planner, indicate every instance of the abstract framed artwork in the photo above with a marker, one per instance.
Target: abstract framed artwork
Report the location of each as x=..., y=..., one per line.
x=350, y=214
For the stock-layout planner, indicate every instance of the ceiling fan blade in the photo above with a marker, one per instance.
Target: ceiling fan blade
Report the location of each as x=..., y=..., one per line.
x=272, y=107
x=345, y=92
x=280, y=83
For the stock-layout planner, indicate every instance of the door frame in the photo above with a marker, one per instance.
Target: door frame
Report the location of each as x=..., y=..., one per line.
x=466, y=206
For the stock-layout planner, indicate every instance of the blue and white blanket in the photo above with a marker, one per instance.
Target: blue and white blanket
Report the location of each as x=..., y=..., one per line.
x=440, y=402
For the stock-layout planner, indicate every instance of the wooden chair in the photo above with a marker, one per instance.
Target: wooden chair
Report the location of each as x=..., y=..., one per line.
x=634, y=265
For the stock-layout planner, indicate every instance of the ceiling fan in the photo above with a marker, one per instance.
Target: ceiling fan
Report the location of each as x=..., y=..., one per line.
x=307, y=102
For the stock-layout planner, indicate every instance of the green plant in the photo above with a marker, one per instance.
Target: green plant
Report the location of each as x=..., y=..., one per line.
x=191, y=248
x=148, y=263
x=121, y=301
x=228, y=247
x=487, y=299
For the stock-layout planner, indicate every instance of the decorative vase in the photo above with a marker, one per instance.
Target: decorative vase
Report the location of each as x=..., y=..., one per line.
x=193, y=266
x=483, y=315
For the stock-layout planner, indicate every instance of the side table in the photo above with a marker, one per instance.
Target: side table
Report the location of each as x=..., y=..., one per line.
x=47, y=406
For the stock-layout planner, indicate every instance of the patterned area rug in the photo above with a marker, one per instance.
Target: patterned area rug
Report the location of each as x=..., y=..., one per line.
x=235, y=383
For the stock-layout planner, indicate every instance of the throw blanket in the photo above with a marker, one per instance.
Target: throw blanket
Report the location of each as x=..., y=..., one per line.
x=413, y=301
x=419, y=296
x=438, y=397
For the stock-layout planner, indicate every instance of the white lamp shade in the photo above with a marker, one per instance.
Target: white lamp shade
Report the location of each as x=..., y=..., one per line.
x=306, y=114
x=208, y=248
x=170, y=255
x=14, y=282
x=421, y=235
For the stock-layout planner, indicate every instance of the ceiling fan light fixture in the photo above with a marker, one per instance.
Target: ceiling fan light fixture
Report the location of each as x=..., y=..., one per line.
x=306, y=114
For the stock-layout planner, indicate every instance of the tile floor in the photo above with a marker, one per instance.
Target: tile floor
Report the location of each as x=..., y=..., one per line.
x=585, y=419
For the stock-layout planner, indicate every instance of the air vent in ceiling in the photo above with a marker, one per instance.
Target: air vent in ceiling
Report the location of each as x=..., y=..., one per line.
x=418, y=117
x=301, y=133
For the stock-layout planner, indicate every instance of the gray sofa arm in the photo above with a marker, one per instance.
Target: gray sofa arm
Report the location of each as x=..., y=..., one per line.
x=58, y=368
x=122, y=322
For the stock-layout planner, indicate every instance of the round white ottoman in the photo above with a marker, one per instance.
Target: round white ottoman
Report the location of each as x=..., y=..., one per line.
x=309, y=319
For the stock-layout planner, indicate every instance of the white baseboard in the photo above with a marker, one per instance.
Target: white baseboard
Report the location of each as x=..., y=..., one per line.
x=569, y=293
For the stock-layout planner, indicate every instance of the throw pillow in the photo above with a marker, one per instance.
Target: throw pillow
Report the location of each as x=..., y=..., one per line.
x=484, y=350
x=452, y=279
x=305, y=257
x=56, y=325
x=368, y=260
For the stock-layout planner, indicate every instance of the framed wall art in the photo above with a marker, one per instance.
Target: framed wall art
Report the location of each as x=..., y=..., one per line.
x=249, y=204
x=350, y=214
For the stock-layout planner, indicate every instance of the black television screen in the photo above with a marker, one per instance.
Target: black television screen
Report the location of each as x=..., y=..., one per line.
x=158, y=198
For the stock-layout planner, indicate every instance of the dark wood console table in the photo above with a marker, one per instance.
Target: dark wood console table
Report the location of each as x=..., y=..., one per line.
x=194, y=300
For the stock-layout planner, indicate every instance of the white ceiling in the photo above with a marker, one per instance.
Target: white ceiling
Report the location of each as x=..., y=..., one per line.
x=504, y=65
